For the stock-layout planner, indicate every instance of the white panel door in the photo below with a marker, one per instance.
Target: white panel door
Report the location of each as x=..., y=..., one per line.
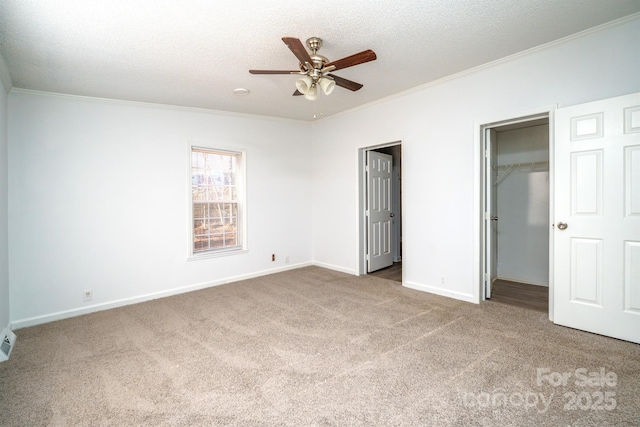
x=379, y=173
x=597, y=217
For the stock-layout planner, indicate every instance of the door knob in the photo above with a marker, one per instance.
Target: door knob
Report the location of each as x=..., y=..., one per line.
x=391, y=214
x=562, y=226
x=494, y=218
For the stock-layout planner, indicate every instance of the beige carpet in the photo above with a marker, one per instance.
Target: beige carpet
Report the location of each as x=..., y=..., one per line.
x=317, y=347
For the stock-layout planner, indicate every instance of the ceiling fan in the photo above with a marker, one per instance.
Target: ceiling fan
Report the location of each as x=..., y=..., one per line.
x=316, y=69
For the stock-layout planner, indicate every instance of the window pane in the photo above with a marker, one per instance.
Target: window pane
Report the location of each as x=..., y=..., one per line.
x=230, y=239
x=199, y=227
x=198, y=211
x=230, y=225
x=217, y=241
x=200, y=244
x=217, y=228
x=215, y=199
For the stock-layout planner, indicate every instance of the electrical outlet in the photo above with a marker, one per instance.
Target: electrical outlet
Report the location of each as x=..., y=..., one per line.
x=87, y=295
x=442, y=280
x=286, y=259
x=273, y=257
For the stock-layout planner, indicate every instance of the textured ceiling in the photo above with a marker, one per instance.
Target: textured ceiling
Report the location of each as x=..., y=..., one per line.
x=196, y=52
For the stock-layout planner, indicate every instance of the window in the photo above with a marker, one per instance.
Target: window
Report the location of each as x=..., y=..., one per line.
x=216, y=201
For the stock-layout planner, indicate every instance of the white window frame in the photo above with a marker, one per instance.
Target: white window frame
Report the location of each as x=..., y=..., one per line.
x=241, y=188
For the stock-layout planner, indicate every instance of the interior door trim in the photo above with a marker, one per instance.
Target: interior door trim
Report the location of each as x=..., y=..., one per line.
x=478, y=199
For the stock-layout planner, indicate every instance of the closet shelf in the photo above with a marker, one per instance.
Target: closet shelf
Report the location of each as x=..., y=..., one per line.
x=505, y=170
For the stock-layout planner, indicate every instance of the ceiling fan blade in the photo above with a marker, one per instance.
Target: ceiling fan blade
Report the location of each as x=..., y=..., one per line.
x=350, y=61
x=347, y=84
x=273, y=72
x=298, y=49
x=297, y=93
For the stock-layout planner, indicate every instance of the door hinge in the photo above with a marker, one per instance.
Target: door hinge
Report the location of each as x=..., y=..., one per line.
x=486, y=277
x=487, y=153
x=366, y=213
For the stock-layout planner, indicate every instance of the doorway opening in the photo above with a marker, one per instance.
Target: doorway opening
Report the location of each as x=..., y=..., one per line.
x=380, y=211
x=516, y=197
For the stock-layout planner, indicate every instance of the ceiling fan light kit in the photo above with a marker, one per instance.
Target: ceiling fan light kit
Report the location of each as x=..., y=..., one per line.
x=312, y=93
x=309, y=88
x=327, y=84
x=303, y=84
x=315, y=69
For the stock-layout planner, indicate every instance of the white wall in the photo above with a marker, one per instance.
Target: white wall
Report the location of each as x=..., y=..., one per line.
x=98, y=199
x=4, y=245
x=437, y=126
x=523, y=207
x=98, y=190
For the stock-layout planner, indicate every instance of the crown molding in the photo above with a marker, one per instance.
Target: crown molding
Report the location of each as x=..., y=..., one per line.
x=504, y=60
x=143, y=104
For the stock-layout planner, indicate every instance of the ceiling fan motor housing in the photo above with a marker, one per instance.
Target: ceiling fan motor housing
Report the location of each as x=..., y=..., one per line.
x=314, y=43
x=313, y=70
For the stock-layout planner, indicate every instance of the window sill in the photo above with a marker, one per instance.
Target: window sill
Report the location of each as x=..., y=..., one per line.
x=216, y=254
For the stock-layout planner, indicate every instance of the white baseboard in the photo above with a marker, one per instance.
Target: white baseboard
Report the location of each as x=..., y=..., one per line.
x=7, y=342
x=334, y=268
x=441, y=291
x=37, y=320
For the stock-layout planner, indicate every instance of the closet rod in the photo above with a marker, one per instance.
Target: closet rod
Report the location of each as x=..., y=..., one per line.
x=507, y=169
x=522, y=165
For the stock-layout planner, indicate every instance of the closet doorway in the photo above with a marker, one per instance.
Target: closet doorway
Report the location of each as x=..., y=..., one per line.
x=380, y=211
x=517, y=213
